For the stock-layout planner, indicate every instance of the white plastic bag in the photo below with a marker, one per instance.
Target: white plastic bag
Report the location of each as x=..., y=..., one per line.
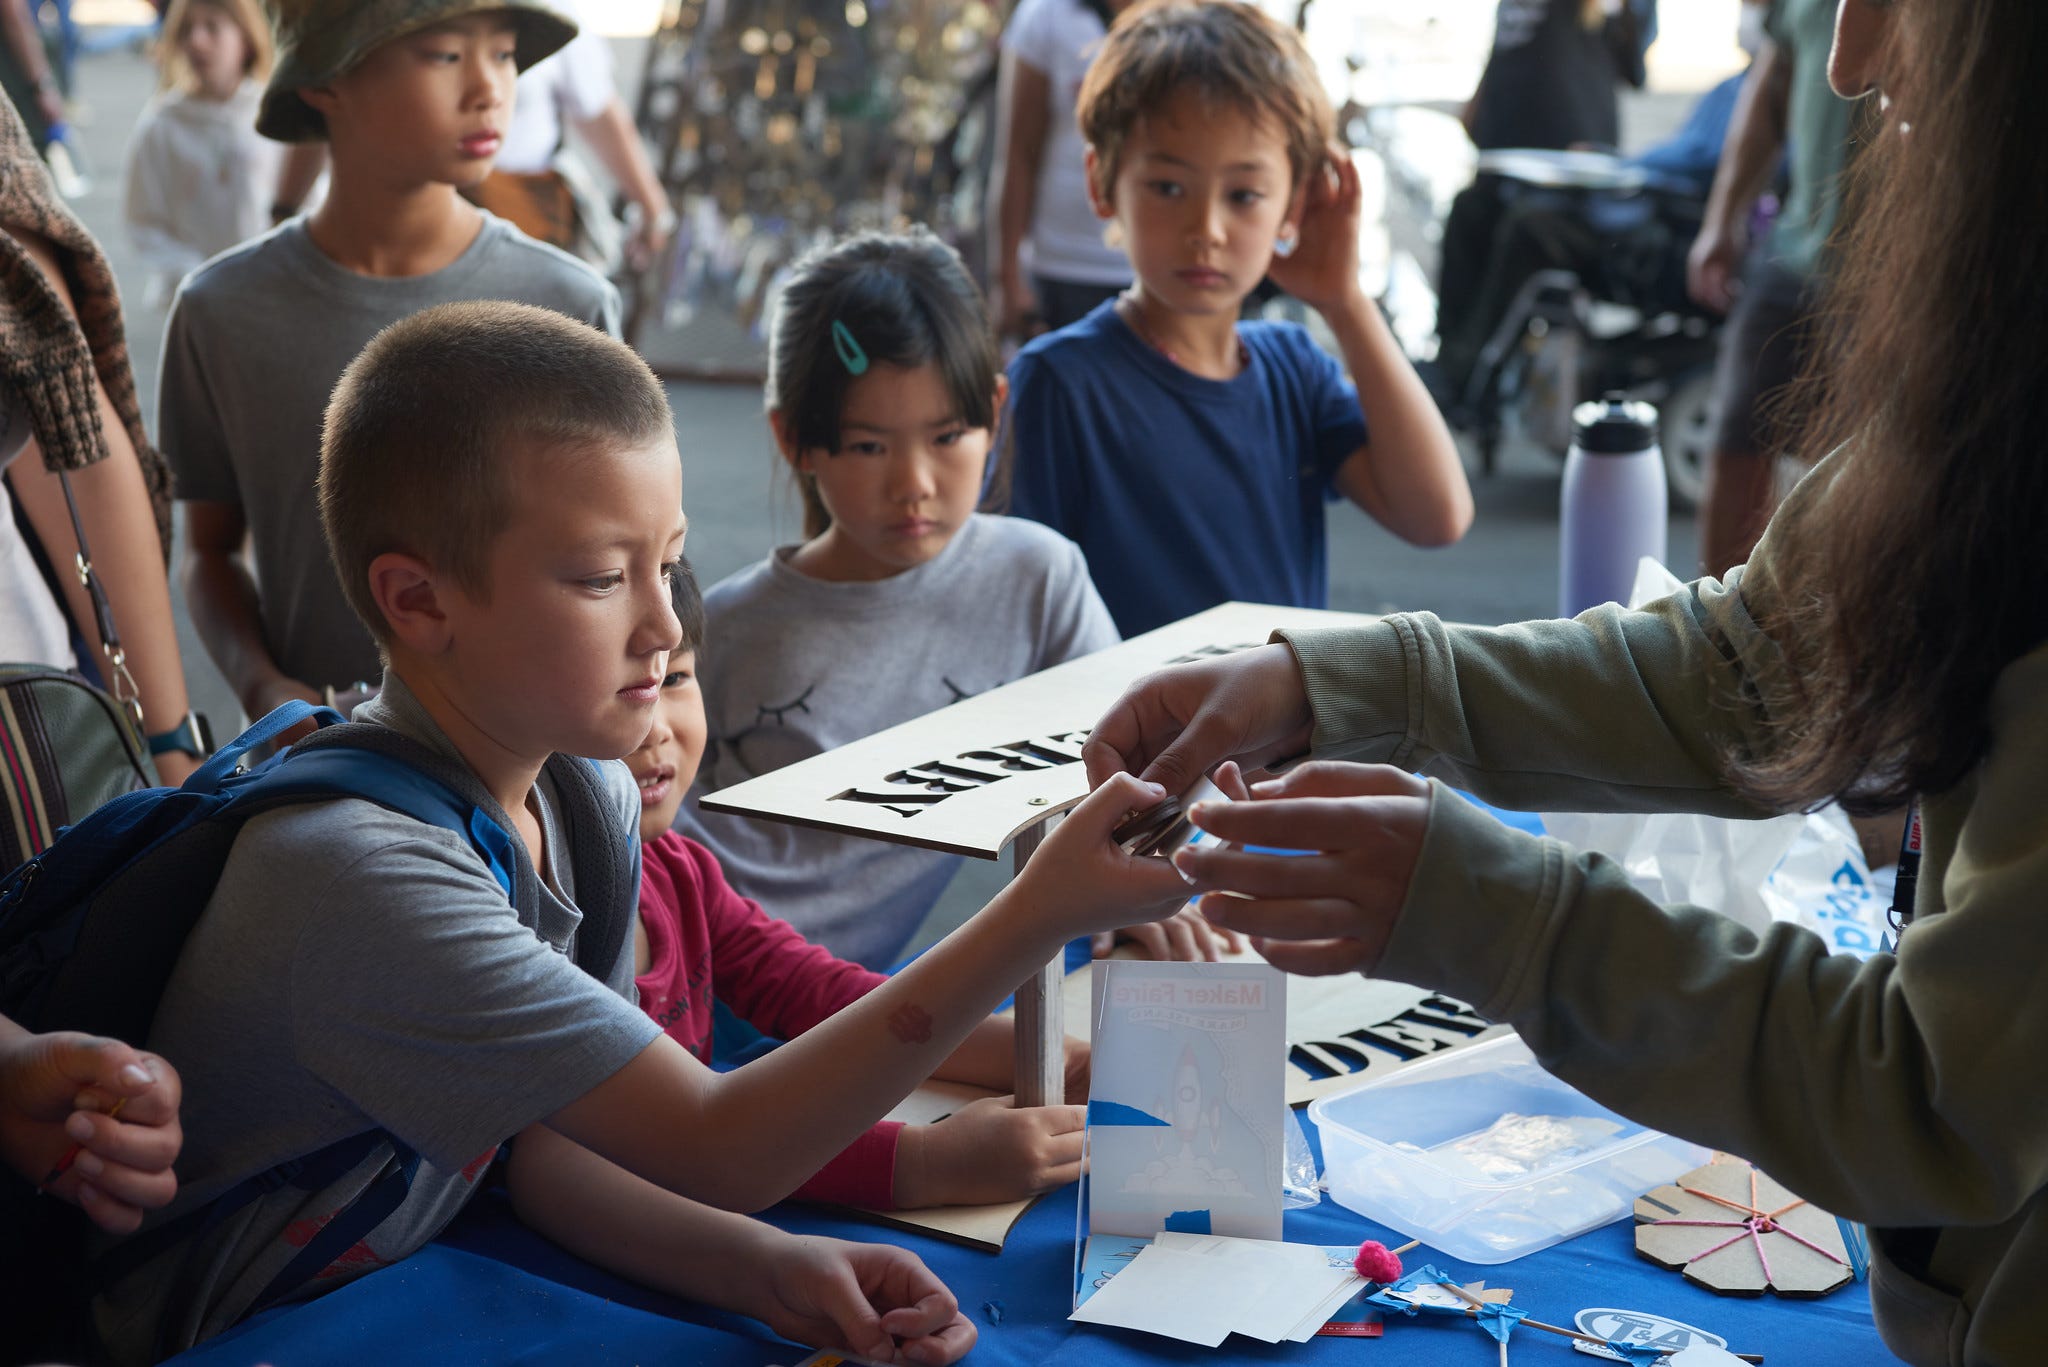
x=1707, y=861
x=1808, y=869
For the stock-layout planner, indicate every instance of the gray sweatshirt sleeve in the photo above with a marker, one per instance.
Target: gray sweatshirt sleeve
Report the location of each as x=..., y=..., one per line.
x=1615, y=710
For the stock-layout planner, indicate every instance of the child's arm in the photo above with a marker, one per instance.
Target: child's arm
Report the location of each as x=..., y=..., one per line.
x=221, y=592
x=746, y=1139
x=870, y=1299
x=214, y=570
x=1408, y=475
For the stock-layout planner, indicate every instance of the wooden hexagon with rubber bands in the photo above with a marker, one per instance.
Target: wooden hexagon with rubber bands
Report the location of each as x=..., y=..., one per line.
x=1736, y=1232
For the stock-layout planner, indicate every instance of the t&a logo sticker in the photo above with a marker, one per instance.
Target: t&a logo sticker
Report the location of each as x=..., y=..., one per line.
x=1638, y=1328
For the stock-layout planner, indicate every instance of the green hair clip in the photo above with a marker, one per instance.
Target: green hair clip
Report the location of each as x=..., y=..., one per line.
x=850, y=355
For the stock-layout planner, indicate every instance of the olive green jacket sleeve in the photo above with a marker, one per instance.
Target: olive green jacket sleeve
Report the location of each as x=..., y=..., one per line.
x=1903, y=1090
x=1612, y=711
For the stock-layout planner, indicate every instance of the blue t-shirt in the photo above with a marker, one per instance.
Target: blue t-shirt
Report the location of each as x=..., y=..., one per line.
x=1183, y=492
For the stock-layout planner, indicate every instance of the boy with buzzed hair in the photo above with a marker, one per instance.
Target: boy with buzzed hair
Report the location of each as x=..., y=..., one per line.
x=1189, y=455
x=501, y=493
x=412, y=99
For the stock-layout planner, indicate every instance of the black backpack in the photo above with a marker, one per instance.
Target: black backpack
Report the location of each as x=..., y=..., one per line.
x=91, y=928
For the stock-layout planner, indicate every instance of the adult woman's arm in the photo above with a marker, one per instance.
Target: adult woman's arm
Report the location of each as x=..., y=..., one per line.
x=1615, y=710
x=1024, y=107
x=113, y=503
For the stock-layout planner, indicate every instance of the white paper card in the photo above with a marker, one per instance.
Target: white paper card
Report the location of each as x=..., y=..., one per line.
x=1185, y=1099
x=1183, y=1296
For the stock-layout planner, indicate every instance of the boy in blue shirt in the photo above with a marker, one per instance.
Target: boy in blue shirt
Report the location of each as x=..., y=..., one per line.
x=501, y=495
x=1189, y=455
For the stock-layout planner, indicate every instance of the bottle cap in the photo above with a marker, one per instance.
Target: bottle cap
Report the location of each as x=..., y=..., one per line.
x=1614, y=426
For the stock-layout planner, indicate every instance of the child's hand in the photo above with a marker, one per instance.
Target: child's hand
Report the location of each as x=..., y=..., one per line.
x=1082, y=877
x=55, y=1093
x=1368, y=821
x=989, y=1150
x=1322, y=270
x=1183, y=936
x=880, y=1302
x=1078, y=1064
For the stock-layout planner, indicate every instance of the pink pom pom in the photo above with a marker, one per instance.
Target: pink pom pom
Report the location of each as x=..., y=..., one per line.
x=1376, y=1263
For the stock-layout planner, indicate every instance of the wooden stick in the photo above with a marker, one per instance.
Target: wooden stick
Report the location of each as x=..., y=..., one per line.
x=1041, y=1027
x=1408, y=1247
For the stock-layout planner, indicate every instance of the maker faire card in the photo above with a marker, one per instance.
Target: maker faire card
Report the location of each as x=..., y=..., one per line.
x=1185, y=1099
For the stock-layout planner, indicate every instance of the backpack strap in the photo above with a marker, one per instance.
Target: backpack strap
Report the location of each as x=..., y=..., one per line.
x=607, y=887
x=382, y=766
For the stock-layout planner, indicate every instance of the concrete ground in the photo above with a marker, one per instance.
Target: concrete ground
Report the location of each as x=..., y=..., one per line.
x=739, y=506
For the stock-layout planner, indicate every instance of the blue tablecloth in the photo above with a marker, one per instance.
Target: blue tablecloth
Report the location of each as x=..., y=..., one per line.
x=491, y=1291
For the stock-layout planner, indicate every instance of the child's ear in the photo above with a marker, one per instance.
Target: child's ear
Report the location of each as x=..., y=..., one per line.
x=406, y=592
x=1100, y=196
x=785, y=439
x=1001, y=397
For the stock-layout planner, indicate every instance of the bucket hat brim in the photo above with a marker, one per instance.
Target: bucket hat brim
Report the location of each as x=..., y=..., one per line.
x=318, y=40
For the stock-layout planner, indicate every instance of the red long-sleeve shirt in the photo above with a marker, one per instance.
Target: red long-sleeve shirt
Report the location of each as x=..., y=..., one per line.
x=705, y=941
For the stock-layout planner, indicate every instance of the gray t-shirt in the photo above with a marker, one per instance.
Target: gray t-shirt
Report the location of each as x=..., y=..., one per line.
x=793, y=666
x=357, y=969
x=256, y=340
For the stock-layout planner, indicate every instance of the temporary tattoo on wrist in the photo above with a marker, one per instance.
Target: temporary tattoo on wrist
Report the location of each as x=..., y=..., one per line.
x=911, y=1023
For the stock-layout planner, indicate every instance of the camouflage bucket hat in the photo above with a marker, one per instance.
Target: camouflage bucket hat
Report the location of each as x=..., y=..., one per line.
x=318, y=40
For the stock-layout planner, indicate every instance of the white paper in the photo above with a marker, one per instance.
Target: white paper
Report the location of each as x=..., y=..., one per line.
x=1306, y=1328
x=1192, y=1055
x=1181, y=1296
x=1704, y=1355
x=1277, y=1285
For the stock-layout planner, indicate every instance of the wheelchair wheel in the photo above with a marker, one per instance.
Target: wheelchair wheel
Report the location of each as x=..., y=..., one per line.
x=1687, y=436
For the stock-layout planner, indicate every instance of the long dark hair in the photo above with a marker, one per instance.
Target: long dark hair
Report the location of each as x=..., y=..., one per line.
x=902, y=299
x=1922, y=574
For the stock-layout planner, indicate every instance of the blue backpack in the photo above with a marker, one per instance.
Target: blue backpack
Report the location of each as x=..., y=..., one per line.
x=91, y=928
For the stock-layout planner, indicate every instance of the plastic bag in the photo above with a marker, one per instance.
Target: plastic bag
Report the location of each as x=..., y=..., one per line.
x=1301, y=1186
x=1707, y=861
x=1805, y=868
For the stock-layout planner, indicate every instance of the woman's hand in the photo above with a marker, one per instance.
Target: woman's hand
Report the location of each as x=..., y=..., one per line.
x=878, y=1301
x=56, y=1093
x=1174, y=726
x=1327, y=912
x=1083, y=877
x=989, y=1150
x=1322, y=270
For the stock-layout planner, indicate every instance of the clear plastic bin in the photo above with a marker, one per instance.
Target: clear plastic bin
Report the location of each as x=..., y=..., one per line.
x=1485, y=1157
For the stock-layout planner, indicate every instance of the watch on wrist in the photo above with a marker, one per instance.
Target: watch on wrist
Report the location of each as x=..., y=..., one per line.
x=192, y=736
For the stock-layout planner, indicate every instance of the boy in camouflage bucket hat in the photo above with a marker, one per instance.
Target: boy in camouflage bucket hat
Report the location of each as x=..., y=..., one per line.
x=318, y=40
x=413, y=98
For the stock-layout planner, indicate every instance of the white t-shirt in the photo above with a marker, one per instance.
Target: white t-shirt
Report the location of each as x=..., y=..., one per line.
x=573, y=84
x=200, y=180
x=33, y=628
x=1059, y=38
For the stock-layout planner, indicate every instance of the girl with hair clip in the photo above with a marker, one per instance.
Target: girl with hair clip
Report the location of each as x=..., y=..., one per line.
x=200, y=179
x=883, y=390
x=1887, y=643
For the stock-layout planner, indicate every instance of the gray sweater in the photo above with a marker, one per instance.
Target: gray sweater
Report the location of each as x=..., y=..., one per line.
x=1909, y=1091
x=793, y=666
